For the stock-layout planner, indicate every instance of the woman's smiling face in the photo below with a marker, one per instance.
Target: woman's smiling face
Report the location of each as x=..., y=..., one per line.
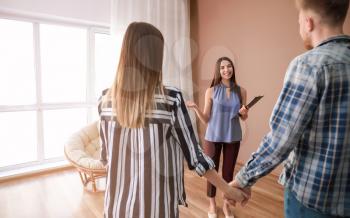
x=226, y=70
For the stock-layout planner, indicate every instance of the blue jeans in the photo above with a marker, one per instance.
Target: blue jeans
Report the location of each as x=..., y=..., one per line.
x=294, y=209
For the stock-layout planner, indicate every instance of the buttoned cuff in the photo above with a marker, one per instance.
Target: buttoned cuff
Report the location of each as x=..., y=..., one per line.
x=243, y=179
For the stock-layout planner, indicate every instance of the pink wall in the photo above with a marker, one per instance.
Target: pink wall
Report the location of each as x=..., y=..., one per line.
x=262, y=37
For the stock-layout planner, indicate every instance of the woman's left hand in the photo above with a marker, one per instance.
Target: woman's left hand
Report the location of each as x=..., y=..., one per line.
x=191, y=105
x=243, y=112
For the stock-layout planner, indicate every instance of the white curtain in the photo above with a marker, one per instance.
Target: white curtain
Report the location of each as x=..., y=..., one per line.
x=172, y=18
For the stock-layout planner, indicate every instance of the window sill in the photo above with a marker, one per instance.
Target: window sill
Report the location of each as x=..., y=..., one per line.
x=33, y=170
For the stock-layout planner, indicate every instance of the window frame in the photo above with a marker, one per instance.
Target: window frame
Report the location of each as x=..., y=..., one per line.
x=90, y=103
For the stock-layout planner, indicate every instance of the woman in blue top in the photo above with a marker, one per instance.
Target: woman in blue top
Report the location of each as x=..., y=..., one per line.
x=223, y=107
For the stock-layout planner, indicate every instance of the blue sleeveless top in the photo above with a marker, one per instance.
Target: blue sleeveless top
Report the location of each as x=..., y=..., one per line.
x=223, y=125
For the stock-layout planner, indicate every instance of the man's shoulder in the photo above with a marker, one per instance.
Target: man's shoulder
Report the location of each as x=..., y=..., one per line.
x=307, y=56
x=302, y=66
x=310, y=59
x=323, y=55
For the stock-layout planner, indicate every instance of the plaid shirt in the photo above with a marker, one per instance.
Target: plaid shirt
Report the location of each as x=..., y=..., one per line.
x=310, y=124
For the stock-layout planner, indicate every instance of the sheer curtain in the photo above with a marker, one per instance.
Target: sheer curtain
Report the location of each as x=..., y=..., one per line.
x=171, y=17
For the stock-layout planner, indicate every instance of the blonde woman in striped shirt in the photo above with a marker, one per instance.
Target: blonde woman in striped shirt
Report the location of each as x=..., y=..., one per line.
x=146, y=132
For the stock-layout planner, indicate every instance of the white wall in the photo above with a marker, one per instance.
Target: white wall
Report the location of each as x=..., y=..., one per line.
x=95, y=11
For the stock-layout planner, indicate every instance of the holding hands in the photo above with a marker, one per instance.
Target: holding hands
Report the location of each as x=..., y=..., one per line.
x=232, y=192
x=235, y=194
x=246, y=191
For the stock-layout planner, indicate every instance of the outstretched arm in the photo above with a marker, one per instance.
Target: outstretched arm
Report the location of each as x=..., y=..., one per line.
x=205, y=115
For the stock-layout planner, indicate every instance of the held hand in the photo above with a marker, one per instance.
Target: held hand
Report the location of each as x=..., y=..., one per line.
x=243, y=112
x=234, y=194
x=191, y=105
x=247, y=191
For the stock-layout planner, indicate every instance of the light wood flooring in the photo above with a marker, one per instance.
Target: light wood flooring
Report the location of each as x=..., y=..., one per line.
x=60, y=194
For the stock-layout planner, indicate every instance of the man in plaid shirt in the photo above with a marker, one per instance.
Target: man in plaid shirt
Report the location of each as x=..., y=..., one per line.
x=310, y=122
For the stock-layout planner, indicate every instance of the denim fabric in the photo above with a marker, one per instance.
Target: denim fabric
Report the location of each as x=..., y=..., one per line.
x=294, y=209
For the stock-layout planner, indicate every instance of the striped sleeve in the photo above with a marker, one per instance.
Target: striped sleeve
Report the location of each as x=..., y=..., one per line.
x=186, y=138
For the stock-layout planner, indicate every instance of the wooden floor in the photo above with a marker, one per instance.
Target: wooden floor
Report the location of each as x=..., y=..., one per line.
x=266, y=201
x=60, y=194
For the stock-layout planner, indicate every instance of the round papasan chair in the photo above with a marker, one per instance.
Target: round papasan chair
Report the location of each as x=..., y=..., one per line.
x=83, y=151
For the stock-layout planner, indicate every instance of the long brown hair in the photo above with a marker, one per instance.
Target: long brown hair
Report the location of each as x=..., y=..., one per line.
x=138, y=75
x=217, y=76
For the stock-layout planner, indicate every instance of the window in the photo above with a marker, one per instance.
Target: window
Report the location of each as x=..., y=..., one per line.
x=58, y=126
x=63, y=52
x=19, y=137
x=16, y=46
x=51, y=77
x=104, y=62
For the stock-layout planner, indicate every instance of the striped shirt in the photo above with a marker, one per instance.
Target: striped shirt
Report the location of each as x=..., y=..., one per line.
x=312, y=119
x=145, y=165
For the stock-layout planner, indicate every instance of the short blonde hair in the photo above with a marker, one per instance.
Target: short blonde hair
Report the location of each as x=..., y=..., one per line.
x=332, y=12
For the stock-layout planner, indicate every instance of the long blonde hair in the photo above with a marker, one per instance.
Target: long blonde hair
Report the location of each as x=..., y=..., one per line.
x=138, y=75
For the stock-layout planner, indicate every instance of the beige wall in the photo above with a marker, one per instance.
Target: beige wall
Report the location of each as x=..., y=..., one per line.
x=262, y=37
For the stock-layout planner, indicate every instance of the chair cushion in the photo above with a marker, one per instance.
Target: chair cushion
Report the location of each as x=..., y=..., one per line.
x=83, y=147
